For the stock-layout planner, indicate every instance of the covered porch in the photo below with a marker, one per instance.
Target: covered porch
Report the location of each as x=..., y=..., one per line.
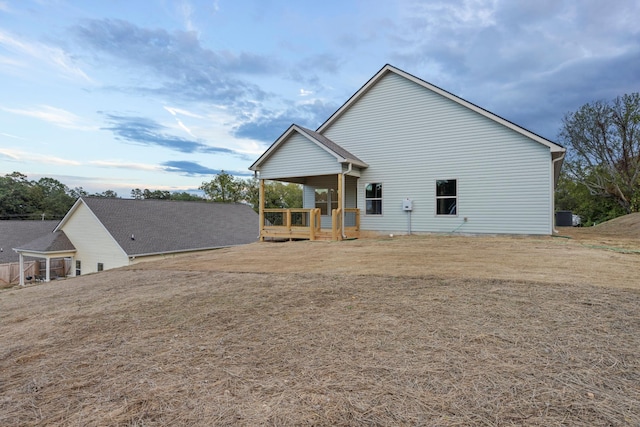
x=329, y=175
x=329, y=211
x=52, y=246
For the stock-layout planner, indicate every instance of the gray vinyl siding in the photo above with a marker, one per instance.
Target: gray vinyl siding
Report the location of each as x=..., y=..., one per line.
x=411, y=137
x=298, y=156
x=330, y=182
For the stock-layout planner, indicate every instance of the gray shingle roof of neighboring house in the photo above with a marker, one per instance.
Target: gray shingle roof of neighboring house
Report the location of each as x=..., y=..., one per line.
x=164, y=226
x=50, y=242
x=16, y=233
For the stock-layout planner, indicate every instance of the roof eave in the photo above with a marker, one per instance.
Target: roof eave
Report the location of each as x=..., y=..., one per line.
x=354, y=162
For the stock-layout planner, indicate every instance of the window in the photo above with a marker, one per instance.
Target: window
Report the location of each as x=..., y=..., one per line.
x=326, y=200
x=78, y=265
x=373, y=199
x=446, y=197
x=100, y=266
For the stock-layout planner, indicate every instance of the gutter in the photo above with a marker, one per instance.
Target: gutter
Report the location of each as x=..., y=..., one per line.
x=553, y=192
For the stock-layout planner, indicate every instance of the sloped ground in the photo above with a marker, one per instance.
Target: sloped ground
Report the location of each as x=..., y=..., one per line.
x=627, y=226
x=622, y=232
x=421, y=330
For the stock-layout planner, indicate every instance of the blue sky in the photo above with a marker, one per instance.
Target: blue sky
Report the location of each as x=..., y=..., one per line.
x=163, y=94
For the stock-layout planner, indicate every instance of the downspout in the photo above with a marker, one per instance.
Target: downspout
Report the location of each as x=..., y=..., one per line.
x=553, y=192
x=344, y=199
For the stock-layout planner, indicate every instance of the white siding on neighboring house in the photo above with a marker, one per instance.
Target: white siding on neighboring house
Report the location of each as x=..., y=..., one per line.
x=93, y=243
x=298, y=156
x=410, y=137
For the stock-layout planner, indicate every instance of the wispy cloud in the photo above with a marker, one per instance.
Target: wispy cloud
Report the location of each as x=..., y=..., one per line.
x=10, y=154
x=52, y=56
x=34, y=157
x=182, y=112
x=180, y=65
x=115, y=164
x=193, y=168
x=269, y=124
x=145, y=131
x=56, y=116
x=8, y=135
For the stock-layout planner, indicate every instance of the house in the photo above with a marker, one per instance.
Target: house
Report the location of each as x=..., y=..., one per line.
x=404, y=156
x=14, y=233
x=100, y=233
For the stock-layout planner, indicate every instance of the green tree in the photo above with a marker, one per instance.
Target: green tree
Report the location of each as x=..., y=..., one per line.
x=251, y=192
x=51, y=197
x=282, y=195
x=577, y=198
x=107, y=194
x=156, y=194
x=184, y=196
x=137, y=194
x=78, y=192
x=16, y=198
x=603, y=141
x=276, y=194
x=223, y=188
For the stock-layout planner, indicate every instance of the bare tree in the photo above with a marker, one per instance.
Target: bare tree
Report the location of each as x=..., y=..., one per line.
x=603, y=141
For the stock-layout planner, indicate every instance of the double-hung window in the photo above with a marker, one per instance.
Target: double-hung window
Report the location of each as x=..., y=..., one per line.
x=446, y=197
x=373, y=199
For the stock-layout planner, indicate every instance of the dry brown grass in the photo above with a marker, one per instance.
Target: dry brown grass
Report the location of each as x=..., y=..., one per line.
x=421, y=330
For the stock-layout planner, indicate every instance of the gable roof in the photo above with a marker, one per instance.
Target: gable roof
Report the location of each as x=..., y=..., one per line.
x=148, y=227
x=14, y=234
x=391, y=69
x=341, y=155
x=51, y=242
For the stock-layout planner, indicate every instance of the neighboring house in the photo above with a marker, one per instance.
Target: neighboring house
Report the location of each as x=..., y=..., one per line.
x=401, y=156
x=104, y=233
x=15, y=233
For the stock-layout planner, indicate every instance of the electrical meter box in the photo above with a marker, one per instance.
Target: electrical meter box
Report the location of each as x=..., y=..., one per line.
x=407, y=204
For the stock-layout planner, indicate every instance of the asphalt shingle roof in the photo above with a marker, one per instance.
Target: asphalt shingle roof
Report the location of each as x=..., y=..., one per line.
x=50, y=242
x=14, y=234
x=163, y=226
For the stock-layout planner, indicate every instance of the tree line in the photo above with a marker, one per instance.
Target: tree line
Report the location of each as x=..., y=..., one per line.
x=48, y=198
x=600, y=179
x=601, y=174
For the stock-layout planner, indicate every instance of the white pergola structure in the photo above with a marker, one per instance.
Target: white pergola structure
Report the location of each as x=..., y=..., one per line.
x=54, y=245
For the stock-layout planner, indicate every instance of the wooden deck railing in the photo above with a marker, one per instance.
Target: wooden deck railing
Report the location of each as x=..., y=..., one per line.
x=306, y=224
x=291, y=223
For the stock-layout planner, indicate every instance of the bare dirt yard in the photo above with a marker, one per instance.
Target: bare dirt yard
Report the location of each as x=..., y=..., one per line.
x=415, y=330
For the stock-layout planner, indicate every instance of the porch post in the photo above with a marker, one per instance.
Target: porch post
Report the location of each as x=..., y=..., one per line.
x=261, y=210
x=48, y=273
x=340, y=207
x=72, y=267
x=21, y=269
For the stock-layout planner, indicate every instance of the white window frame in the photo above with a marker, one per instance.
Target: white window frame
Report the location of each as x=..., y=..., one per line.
x=438, y=198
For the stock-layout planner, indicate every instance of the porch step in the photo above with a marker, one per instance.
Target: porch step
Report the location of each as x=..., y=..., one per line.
x=324, y=235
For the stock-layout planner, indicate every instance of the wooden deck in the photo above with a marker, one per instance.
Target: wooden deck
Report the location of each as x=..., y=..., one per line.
x=289, y=224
